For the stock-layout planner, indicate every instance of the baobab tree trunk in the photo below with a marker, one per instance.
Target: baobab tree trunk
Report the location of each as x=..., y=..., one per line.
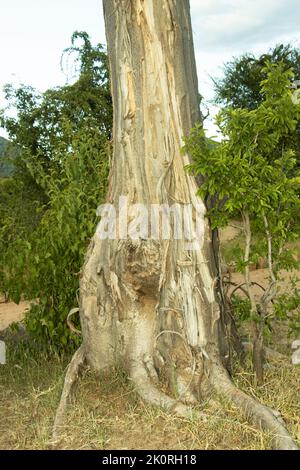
x=151, y=304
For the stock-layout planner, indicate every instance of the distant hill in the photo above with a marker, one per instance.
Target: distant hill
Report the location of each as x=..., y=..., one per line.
x=6, y=167
x=3, y=144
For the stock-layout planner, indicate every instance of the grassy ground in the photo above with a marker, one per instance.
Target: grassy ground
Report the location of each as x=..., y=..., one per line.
x=107, y=414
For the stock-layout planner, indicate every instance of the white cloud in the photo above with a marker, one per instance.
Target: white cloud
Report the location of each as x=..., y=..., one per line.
x=220, y=23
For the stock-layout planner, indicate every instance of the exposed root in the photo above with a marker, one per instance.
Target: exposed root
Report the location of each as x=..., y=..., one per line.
x=152, y=395
x=260, y=414
x=71, y=377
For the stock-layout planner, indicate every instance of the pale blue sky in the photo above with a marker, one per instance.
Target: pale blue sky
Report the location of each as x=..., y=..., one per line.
x=33, y=34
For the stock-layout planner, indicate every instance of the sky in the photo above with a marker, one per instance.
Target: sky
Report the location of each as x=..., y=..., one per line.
x=33, y=34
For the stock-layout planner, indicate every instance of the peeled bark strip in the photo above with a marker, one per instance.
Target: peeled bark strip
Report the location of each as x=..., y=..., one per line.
x=150, y=305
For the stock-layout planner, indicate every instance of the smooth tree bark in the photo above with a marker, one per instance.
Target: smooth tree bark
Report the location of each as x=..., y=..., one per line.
x=152, y=306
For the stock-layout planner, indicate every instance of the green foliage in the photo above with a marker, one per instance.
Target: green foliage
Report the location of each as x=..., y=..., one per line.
x=7, y=155
x=246, y=174
x=47, y=123
x=242, y=309
x=48, y=208
x=240, y=86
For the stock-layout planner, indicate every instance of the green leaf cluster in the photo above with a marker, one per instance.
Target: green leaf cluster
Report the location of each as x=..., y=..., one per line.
x=245, y=172
x=48, y=206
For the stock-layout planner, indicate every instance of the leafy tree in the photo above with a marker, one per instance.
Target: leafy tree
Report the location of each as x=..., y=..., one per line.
x=240, y=87
x=246, y=174
x=48, y=207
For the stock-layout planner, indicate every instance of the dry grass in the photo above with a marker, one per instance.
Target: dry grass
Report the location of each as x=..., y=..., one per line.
x=107, y=414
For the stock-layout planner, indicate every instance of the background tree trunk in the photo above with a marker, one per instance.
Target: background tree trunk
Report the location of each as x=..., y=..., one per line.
x=148, y=305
